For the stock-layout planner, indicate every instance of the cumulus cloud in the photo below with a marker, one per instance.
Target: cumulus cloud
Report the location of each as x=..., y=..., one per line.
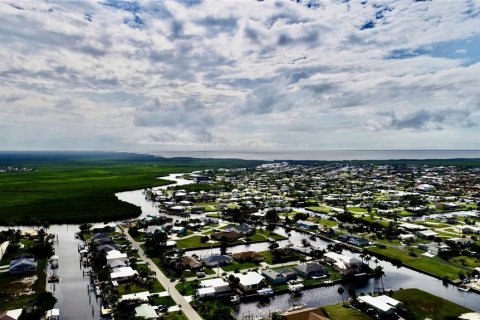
x=144, y=75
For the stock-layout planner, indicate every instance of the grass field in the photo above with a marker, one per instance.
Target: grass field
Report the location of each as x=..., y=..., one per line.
x=340, y=312
x=433, y=265
x=423, y=305
x=80, y=187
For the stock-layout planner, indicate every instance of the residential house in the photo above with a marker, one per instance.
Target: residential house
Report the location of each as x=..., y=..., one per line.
x=190, y=263
x=249, y=256
x=217, y=260
x=22, y=266
x=307, y=225
x=229, y=236
x=123, y=274
x=384, y=305
x=310, y=270
x=274, y=277
x=11, y=314
x=244, y=229
x=213, y=287
x=146, y=311
x=342, y=263
x=250, y=281
x=151, y=230
x=427, y=234
x=304, y=314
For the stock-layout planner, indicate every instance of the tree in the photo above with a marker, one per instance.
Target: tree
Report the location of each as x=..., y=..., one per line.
x=271, y=216
x=85, y=227
x=352, y=293
x=36, y=308
x=340, y=291
x=223, y=248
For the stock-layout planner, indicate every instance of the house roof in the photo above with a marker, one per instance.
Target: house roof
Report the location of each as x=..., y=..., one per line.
x=305, y=314
x=250, y=278
x=123, y=272
x=139, y=295
x=216, y=258
x=383, y=302
x=310, y=267
x=215, y=282
x=227, y=235
x=247, y=254
x=272, y=274
x=115, y=254
x=22, y=262
x=146, y=311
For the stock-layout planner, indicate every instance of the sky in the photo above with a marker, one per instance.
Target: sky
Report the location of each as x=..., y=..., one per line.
x=239, y=75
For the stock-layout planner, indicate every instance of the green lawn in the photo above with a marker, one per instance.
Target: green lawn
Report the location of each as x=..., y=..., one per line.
x=433, y=265
x=80, y=187
x=423, y=305
x=164, y=301
x=357, y=210
x=319, y=209
x=186, y=288
x=240, y=266
x=194, y=242
x=174, y=316
x=340, y=312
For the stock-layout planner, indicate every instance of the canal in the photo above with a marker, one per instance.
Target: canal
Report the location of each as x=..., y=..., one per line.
x=75, y=302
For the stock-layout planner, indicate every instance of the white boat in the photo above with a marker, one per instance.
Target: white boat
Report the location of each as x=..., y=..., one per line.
x=295, y=287
x=265, y=292
x=235, y=299
x=53, y=314
x=466, y=289
x=296, y=307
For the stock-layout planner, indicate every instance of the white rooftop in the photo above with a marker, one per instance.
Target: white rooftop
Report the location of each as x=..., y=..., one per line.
x=115, y=254
x=215, y=282
x=383, y=303
x=139, y=295
x=250, y=278
x=123, y=272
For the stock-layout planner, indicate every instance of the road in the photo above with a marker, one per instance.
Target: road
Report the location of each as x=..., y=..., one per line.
x=187, y=309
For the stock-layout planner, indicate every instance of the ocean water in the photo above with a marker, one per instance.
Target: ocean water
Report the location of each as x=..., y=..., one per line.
x=329, y=155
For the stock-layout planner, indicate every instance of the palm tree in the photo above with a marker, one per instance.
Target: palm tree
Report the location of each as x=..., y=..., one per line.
x=368, y=258
x=340, y=291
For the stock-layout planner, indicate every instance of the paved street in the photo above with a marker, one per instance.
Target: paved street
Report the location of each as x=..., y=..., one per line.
x=187, y=309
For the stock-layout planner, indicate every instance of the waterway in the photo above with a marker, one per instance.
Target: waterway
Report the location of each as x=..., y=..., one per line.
x=395, y=278
x=75, y=302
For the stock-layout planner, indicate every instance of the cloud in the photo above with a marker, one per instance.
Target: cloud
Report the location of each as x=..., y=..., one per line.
x=422, y=120
x=141, y=75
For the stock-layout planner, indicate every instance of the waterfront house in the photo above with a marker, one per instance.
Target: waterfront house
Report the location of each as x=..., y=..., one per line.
x=307, y=225
x=190, y=263
x=289, y=273
x=116, y=255
x=301, y=313
x=217, y=260
x=229, y=236
x=142, y=296
x=342, y=263
x=249, y=256
x=123, y=274
x=151, y=230
x=213, y=287
x=310, y=270
x=22, y=266
x=274, y=277
x=250, y=281
x=383, y=305
x=244, y=229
